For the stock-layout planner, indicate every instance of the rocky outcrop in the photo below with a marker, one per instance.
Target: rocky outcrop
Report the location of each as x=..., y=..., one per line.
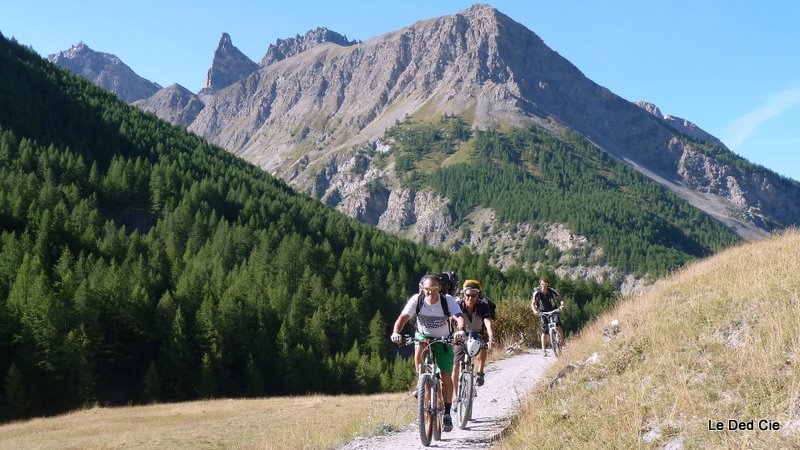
x=758, y=196
x=682, y=126
x=228, y=66
x=175, y=104
x=105, y=70
x=422, y=216
x=285, y=48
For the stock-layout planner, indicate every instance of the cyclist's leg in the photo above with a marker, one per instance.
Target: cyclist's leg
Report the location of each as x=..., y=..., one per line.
x=543, y=328
x=458, y=352
x=482, y=360
x=419, y=355
x=444, y=361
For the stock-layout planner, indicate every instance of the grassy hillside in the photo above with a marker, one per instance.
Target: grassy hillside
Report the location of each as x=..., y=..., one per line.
x=307, y=422
x=717, y=341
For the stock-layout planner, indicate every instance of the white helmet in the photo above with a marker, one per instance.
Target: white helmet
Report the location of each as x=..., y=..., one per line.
x=473, y=345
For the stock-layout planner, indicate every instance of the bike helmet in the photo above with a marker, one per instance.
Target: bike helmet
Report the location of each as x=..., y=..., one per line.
x=473, y=345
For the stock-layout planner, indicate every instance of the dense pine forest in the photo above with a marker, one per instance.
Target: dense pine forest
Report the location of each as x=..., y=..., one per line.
x=139, y=263
x=530, y=175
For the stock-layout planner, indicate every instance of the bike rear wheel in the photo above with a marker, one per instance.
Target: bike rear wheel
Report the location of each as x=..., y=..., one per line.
x=426, y=406
x=465, y=395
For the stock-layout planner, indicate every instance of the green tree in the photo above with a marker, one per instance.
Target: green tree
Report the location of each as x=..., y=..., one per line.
x=151, y=385
x=16, y=399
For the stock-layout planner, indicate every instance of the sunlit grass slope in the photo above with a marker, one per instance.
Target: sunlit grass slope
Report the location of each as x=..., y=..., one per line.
x=716, y=342
x=305, y=422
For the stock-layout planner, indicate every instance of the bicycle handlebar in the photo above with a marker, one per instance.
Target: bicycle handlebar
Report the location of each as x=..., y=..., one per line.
x=549, y=313
x=409, y=339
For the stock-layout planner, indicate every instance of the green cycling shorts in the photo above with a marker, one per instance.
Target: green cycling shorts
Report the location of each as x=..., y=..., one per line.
x=442, y=353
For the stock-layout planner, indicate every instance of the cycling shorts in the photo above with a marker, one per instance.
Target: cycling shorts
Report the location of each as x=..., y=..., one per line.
x=544, y=323
x=442, y=353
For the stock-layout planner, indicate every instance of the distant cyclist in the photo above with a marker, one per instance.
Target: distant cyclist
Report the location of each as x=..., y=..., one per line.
x=478, y=319
x=434, y=309
x=544, y=300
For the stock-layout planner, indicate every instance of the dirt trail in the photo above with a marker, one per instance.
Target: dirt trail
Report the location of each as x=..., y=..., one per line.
x=507, y=383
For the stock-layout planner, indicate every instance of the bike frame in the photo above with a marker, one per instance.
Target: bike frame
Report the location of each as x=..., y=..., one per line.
x=552, y=328
x=466, y=389
x=429, y=391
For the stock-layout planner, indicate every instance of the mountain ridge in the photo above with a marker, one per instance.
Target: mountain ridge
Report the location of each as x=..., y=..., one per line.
x=105, y=70
x=304, y=117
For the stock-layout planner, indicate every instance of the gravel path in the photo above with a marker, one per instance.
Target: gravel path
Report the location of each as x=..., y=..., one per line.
x=507, y=383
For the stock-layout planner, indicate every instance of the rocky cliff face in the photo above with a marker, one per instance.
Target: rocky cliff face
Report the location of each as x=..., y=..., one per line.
x=175, y=104
x=285, y=48
x=106, y=71
x=228, y=66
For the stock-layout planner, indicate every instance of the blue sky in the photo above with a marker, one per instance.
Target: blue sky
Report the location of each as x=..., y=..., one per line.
x=730, y=66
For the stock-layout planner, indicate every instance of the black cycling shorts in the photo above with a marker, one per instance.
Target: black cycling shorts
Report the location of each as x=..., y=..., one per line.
x=544, y=324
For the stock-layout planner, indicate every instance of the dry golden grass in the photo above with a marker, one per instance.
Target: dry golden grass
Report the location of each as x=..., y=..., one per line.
x=717, y=341
x=312, y=422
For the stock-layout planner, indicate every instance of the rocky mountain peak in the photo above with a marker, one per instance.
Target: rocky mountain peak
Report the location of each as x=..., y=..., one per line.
x=228, y=66
x=225, y=42
x=285, y=48
x=682, y=126
x=105, y=70
x=174, y=103
x=649, y=107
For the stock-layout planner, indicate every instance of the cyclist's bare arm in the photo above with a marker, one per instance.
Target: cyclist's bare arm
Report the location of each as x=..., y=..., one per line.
x=487, y=322
x=401, y=321
x=533, y=306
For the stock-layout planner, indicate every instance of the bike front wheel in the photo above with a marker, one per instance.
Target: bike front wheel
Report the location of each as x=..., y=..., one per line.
x=438, y=412
x=558, y=346
x=426, y=406
x=465, y=395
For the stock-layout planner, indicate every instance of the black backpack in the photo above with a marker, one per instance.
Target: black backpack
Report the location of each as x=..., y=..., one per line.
x=492, y=307
x=449, y=282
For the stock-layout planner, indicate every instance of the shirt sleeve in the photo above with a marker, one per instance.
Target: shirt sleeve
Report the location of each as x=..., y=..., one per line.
x=411, y=306
x=452, y=305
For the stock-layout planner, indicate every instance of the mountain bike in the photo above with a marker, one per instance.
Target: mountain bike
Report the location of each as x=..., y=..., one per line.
x=466, y=379
x=430, y=402
x=555, y=339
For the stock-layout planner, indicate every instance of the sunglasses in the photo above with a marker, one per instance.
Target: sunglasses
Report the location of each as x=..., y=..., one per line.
x=471, y=295
x=431, y=289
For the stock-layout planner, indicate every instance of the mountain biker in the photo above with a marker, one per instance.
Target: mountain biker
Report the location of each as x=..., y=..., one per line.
x=433, y=322
x=478, y=319
x=544, y=300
